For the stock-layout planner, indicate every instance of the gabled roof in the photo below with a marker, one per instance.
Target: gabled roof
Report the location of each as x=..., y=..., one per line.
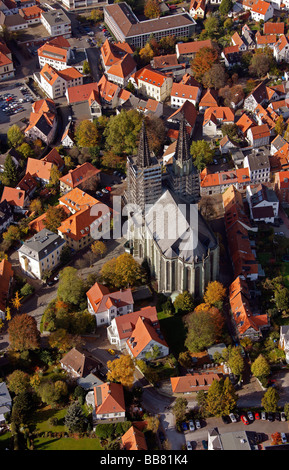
x=209, y=98
x=79, y=93
x=27, y=183
x=222, y=113
x=101, y=298
x=187, y=92
x=194, y=382
x=134, y=439
x=125, y=324
x=79, y=175
x=76, y=199
x=81, y=362
x=39, y=168
x=78, y=225
x=245, y=123
x=193, y=47
x=273, y=28
x=109, y=398
x=14, y=197
x=187, y=110
x=259, y=132
x=143, y=333
x=49, y=51
x=124, y=67
x=261, y=7
x=148, y=75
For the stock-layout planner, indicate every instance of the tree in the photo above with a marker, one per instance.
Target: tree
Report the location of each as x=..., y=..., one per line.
x=184, y=303
x=86, y=134
x=96, y=15
x=86, y=68
x=260, y=367
x=152, y=9
x=225, y=7
x=13, y=234
x=282, y=299
x=55, y=175
x=14, y=136
x=179, y=409
x=280, y=125
x=18, y=382
x=146, y=53
x=121, y=370
x=36, y=206
x=9, y=176
x=214, y=399
x=8, y=314
x=203, y=61
x=236, y=361
x=201, y=331
x=261, y=63
x=122, y=271
x=23, y=333
x=202, y=154
x=122, y=132
x=71, y=286
x=98, y=248
x=215, y=77
x=211, y=28
x=63, y=341
x=75, y=420
x=232, y=95
x=270, y=400
x=215, y=293
x=231, y=130
x=54, y=216
x=229, y=398
x=16, y=301
x=25, y=150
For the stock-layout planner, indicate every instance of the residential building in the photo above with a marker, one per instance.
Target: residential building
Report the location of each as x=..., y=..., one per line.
x=105, y=305
x=56, y=82
x=282, y=186
x=40, y=169
x=61, y=56
x=263, y=203
x=193, y=383
x=169, y=64
x=152, y=84
x=237, y=40
x=42, y=121
x=6, y=282
x=16, y=198
x=259, y=167
x=244, y=123
x=109, y=404
x=214, y=118
x=268, y=40
x=232, y=56
x=283, y=341
x=121, y=327
x=281, y=49
x=259, y=135
x=57, y=23
x=117, y=61
x=84, y=101
x=77, y=200
x=14, y=22
x=208, y=99
x=134, y=439
x=186, y=51
x=274, y=28
x=85, y=5
x=31, y=14
x=83, y=176
x=6, y=215
x=144, y=175
x=78, y=363
x=188, y=112
x=257, y=96
x=262, y=11
x=5, y=402
x=197, y=9
x=28, y=184
x=217, y=183
x=181, y=93
x=40, y=253
x=226, y=145
x=126, y=27
x=67, y=139
x=146, y=339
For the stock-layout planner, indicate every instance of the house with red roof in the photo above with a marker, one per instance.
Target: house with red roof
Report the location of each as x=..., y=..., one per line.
x=118, y=63
x=83, y=176
x=263, y=203
x=146, y=339
x=18, y=199
x=192, y=383
x=122, y=326
x=274, y=28
x=152, y=84
x=189, y=112
x=31, y=14
x=134, y=439
x=27, y=184
x=247, y=322
x=181, y=92
x=259, y=135
x=41, y=169
x=186, y=51
x=109, y=404
x=262, y=11
x=42, y=121
x=281, y=49
x=281, y=185
x=214, y=118
x=106, y=305
x=108, y=93
x=208, y=99
x=55, y=82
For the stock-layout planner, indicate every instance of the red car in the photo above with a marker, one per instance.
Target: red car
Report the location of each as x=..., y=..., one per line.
x=257, y=415
x=108, y=188
x=244, y=419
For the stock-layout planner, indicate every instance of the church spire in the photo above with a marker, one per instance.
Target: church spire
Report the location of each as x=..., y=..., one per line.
x=182, y=148
x=143, y=156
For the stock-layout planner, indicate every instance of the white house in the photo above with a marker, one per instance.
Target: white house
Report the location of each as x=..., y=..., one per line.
x=5, y=402
x=56, y=82
x=263, y=203
x=40, y=253
x=259, y=135
x=105, y=305
x=262, y=11
x=259, y=167
x=146, y=339
x=109, y=404
x=283, y=341
x=281, y=49
x=181, y=92
x=57, y=23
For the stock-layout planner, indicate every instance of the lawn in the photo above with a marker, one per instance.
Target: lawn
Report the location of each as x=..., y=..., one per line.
x=5, y=440
x=41, y=418
x=66, y=443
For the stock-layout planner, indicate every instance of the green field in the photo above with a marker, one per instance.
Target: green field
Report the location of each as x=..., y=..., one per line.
x=54, y=443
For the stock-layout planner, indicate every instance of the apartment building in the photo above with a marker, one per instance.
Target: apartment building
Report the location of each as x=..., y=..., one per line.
x=57, y=23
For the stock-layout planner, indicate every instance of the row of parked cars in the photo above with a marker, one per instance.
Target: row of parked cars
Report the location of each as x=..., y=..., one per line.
x=191, y=425
x=248, y=417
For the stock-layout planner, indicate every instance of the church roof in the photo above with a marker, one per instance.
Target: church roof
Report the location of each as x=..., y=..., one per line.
x=143, y=156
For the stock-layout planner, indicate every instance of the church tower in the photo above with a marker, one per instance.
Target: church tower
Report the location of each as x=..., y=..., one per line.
x=184, y=177
x=144, y=175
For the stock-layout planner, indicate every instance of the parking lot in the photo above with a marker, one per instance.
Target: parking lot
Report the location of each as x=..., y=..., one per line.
x=15, y=104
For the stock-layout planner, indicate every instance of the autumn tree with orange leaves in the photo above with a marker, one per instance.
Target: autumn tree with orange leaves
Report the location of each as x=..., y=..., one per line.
x=121, y=370
x=215, y=293
x=203, y=61
x=23, y=333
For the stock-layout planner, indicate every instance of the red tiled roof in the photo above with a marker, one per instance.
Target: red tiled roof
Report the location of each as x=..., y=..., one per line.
x=111, y=398
x=79, y=175
x=194, y=382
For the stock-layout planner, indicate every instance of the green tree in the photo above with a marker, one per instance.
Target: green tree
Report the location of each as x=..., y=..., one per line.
x=14, y=136
x=282, y=299
x=179, y=409
x=202, y=154
x=236, y=361
x=122, y=271
x=71, y=286
x=18, y=382
x=184, y=303
x=25, y=150
x=54, y=216
x=9, y=176
x=86, y=134
x=261, y=63
x=270, y=400
x=98, y=248
x=230, y=397
x=214, y=399
x=225, y=7
x=201, y=331
x=121, y=370
x=152, y=9
x=86, y=68
x=75, y=420
x=122, y=132
x=260, y=367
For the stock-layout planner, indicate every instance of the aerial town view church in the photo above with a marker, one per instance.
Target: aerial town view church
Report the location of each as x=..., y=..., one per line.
x=144, y=227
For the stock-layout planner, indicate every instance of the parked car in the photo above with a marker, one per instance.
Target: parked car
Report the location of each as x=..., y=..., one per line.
x=257, y=415
x=277, y=416
x=283, y=416
x=189, y=446
x=244, y=419
x=205, y=445
x=250, y=416
x=263, y=415
x=111, y=352
x=284, y=438
x=226, y=419
x=191, y=425
x=233, y=417
x=184, y=426
x=270, y=417
x=198, y=424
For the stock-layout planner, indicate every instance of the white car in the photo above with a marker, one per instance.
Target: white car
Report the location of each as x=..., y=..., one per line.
x=189, y=446
x=232, y=417
x=284, y=438
x=263, y=416
x=250, y=416
x=283, y=416
x=198, y=424
x=191, y=425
